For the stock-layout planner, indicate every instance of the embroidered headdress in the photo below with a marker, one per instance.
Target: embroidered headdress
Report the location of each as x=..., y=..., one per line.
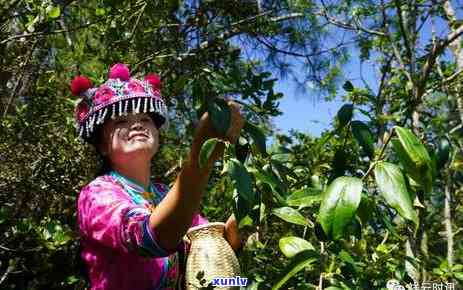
x=118, y=96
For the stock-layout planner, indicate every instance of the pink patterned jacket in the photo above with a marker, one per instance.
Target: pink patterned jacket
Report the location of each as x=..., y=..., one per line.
x=119, y=248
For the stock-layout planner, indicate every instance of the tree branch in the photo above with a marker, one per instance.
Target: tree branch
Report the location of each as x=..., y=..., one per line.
x=5, y=275
x=448, y=221
x=13, y=92
x=296, y=54
x=402, y=27
x=395, y=49
x=233, y=31
x=357, y=27
x=140, y=14
x=41, y=33
x=437, y=49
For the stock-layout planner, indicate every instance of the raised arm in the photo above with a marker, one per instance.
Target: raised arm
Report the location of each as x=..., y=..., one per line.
x=173, y=215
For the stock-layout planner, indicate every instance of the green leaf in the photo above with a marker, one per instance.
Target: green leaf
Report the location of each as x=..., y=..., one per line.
x=206, y=151
x=366, y=209
x=412, y=146
x=304, y=197
x=53, y=12
x=345, y=114
x=241, y=209
x=339, y=163
x=290, y=246
x=220, y=115
x=391, y=184
x=346, y=257
x=271, y=180
x=300, y=261
x=242, y=149
x=100, y=11
x=416, y=161
x=443, y=152
x=420, y=164
x=363, y=136
x=257, y=135
x=242, y=180
x=245, y=221
x=292, y=216
x=404, y=159
x=459, y=276
x=348, y=87
x=339, y=204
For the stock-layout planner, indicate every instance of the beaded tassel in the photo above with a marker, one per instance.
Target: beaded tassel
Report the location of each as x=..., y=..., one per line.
x=137, y=108
x=113, y=114
x=81, y=131
x=92, y=122
x=120, y=108
x=103, y=115
x=98, y=117
x=126, y=104
x=151, y=105
x=145, y=107
x=86, y=128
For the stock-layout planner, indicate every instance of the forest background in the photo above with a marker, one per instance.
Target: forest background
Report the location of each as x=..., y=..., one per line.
x=376, y=198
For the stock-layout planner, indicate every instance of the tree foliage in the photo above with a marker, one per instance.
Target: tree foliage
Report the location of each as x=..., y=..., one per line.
x=376, y=197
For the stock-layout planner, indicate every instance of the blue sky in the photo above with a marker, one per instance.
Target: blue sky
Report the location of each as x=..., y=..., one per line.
x=304, y=113
x=312, y=114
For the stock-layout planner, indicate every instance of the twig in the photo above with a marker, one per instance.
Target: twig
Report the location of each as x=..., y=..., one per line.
x=235, y=31
x=395, y=49
x=140, y=14
x=437, y=49
x=448, y=221
x=339, y=23
x=13, y=93
x=386, y=236
x=402, y=27
x=286, y=17
x=8, y=249
x=5, y=275
x=453, y=130
x=322, y=262
x=378, y=158
x=304, y=55
x=20, y=250
x=40, y=33
x=320, y=282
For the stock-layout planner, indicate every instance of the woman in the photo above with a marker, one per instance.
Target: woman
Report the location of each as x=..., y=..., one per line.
x=132, y=229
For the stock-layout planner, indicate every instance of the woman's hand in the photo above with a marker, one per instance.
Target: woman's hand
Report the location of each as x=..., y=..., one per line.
x=173, y=215
x=205, y=129
x=236, y=123
x=232, y=233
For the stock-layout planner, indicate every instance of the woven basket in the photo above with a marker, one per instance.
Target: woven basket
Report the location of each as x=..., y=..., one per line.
x=210, y=256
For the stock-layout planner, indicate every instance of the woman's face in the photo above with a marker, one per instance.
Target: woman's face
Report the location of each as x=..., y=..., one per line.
x=131, y=138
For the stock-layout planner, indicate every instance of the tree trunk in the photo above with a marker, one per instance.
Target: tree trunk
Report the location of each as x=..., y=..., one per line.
x=448, y=223
x=455, y=47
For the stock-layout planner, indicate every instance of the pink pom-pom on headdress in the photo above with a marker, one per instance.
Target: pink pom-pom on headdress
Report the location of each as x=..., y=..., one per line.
x=119, y=71
x=154, y=81
x=79, y=85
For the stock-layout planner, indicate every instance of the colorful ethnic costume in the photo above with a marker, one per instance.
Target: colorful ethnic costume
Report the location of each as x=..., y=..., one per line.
x=119, y=248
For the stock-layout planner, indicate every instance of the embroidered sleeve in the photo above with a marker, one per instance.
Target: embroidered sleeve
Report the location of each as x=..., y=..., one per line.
x=163, y=189
x=108, y=217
